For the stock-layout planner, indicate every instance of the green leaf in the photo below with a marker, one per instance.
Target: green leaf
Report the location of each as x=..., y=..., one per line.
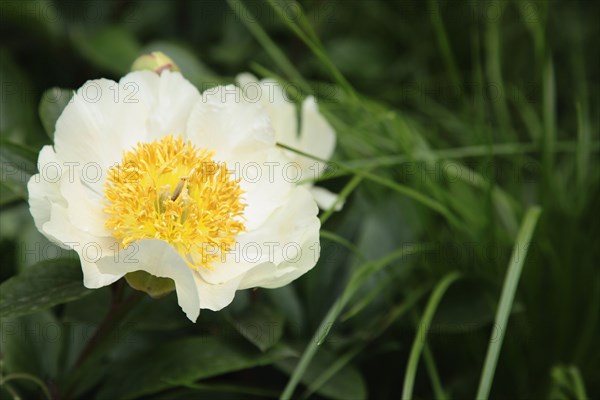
x=39, y=18
x=30, y=349
x=260, y=324
x=18, y=165
x=8, y=195
x=30, y=344
x=16, y=103
x=52, y=104
x=111, y=48
x=222, y=391
x=287, y=302
x=347, y=383
x=17, y=151
x=179, y=363
x=42, y=286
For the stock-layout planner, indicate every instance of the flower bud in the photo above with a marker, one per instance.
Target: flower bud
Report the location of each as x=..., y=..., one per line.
x=155, y=61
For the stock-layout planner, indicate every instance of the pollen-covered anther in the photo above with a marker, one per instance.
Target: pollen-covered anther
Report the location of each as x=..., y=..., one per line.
x=171, y=190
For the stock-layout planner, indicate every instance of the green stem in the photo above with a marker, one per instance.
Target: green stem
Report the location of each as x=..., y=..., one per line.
x=118, y=311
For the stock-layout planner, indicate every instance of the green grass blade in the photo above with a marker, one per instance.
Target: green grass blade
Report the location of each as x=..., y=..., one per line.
x=436, y=383
x=395, y=313
x=333, y=369
x=420, y=336
x=346, y=191
x=509, y=289
x=365, y=299
x=269, y=45
x=334, y=237
x=549, y=118
x=314, y=45
x=494, y=73
x=504, y=204
x=578, y=386
x=584, y=149
x=438, y=24
x=499, y=149
x=407, y=191
x=326, y=324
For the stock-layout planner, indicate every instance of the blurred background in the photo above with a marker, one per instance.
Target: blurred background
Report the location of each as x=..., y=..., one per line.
x=468, y=152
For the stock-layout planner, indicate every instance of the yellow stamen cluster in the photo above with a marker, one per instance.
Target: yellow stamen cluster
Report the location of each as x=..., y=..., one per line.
x=171, y=190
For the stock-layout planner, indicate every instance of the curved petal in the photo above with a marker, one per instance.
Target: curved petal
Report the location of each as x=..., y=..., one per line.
x=271, y=276
x=58, y=187
x=89, y=248
x=265, y=182
x=43, y=191
x=317, y=136
x=216, y=297
x=85, y=207
x=160, y=259
x=93, y=278
x=104, y=118
x=299, y=254
x=325, y=199
x=275, y=242
x=224, y=122
x=281, y=110
x=169, y=98
x=50, y=213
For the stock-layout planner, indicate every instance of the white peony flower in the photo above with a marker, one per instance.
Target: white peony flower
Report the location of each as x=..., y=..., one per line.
x=315, y=137
x=138, y=179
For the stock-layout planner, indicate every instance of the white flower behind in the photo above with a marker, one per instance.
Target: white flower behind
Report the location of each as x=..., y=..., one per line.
x=143, y=162
x=315, y=137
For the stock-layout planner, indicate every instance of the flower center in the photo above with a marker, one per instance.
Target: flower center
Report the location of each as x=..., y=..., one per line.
x=173, y=191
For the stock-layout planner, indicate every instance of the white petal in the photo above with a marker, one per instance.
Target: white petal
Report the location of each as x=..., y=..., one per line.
x=85, y=206
x=43, y=191
x=325, y=199
x=281, y=110
x=51, y=216
x=265, y=185
x=224, y=122
x=304, y=254
x=94, y=128
x=105, y=118
x=169, y=98
x=90, y=249
x=216, y=297
x=317, y=136
x=245, y=79
x=160, y=259
x=271, y=276
x=93, y=278
x=286, y=230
